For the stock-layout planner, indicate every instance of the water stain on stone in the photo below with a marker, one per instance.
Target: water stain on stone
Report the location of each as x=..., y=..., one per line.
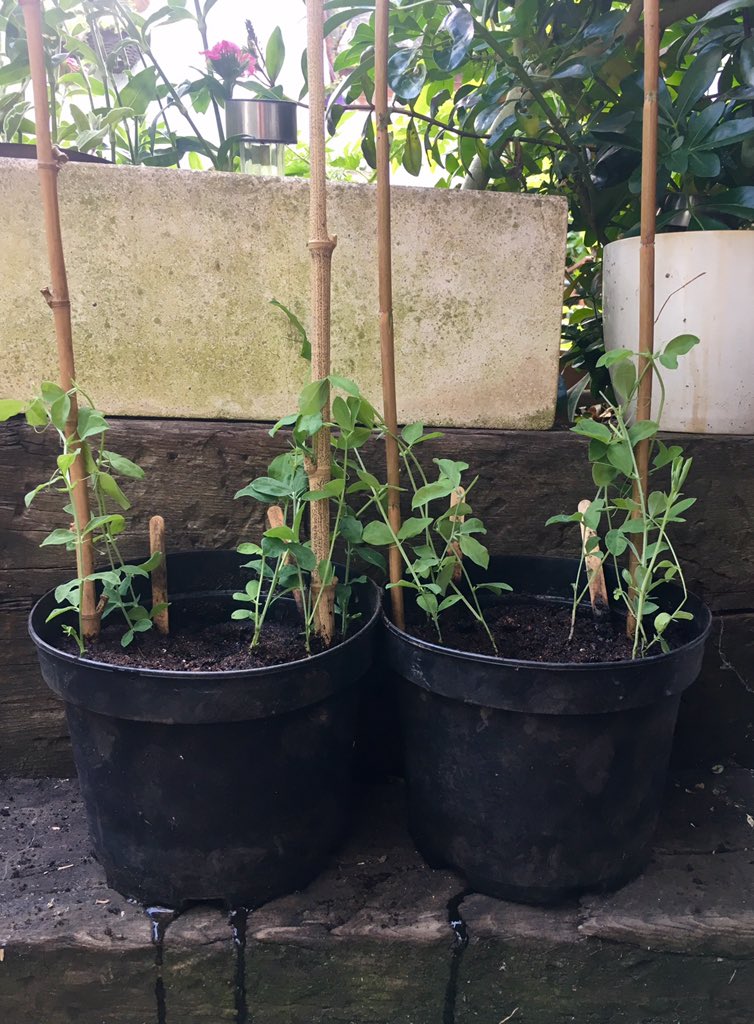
x=160, y=918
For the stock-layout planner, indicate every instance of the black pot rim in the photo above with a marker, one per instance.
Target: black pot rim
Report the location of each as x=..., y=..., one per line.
x=198, y=676
x=561, y=666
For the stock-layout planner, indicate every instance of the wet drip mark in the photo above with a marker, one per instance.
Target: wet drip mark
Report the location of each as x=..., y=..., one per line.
x=238, y=919
x=159, y=918
x=460, y=942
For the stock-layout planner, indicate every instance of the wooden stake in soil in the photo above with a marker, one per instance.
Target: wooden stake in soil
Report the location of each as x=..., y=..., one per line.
x=456, y=498
x=321, y=246
x=58, y=300
x=159, y=576
x=276, y=517
x=387, y=337
x=647, y=252
x=595, y=574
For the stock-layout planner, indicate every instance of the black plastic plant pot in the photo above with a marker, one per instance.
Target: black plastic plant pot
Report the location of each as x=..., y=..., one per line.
x=232, y=785
x=538, y=781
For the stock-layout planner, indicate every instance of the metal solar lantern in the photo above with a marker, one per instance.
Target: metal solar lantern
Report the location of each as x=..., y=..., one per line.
x=263, y=129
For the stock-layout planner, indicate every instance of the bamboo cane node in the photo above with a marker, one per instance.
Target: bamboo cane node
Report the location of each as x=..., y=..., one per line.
x=54, y=303
x=49, y=165
x=325, y=245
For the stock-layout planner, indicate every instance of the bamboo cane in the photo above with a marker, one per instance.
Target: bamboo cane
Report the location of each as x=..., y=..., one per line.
x=321, y=246
x=59, y=302
x=647, y=254
x=387, y=337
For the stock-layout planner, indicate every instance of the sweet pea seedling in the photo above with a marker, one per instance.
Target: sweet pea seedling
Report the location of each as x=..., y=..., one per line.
x=628, y=525
x=103, y=471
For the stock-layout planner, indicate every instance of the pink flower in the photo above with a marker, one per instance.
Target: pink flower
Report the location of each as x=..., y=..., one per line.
x=230, y=61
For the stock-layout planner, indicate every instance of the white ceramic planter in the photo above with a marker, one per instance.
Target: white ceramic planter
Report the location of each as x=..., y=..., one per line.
x=712, y=391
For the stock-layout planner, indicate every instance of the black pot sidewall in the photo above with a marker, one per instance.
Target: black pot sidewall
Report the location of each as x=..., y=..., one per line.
x=242, y=797
x=537, y=781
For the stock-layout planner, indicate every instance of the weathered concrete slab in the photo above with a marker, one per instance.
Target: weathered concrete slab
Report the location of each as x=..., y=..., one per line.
x=172, y=272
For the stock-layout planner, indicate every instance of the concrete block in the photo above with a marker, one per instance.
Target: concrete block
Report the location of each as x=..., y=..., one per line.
x=171, y=274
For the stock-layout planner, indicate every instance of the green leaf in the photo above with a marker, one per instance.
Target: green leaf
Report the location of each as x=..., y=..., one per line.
x=305, y=557
x=345, y=384
x=90, y=422
x=36, y=414
x=575, y=517
x=453, y=39
x=428, y=602
x=140, y=90
x=662, y=621
x=378, y=534
x=280, y=532
x=448, y=602
x=59, y=536
x=274, y=54
x=730, y=132
x=108, y=486
x=412, y=151
x=412, y=432
x=306, y=348
x=66, y=461
x=59, y=412
x=619, y=455
x=114, y=523
x=666, y=454
x=314, y=397
x=249, y=549
x=678, y=346
x=332, y=489
x=746, y=60
x=413, y=527
x=624, y=379
x=120, y=464
x=433, y=491
x=603, y=474
x=351, y=529
x=265, y=489
x=641, y=431
x=371, y=557
x=406, y=75
x=615, y=542
x=496, y=588
x=697, y=80
x=242, y=613
x=342, y=414
x=679, y=507
x=10, y=407
x=477, y=552
x=616, y=355
x=591, y=428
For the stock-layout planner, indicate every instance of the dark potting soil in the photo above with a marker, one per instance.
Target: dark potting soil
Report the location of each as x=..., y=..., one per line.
x=535, y=631
x=219, y=647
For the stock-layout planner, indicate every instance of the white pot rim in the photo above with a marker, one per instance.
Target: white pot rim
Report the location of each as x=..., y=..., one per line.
x=745, y=236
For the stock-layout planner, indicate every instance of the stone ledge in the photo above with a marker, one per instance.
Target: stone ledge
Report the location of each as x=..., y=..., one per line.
x=369, y=941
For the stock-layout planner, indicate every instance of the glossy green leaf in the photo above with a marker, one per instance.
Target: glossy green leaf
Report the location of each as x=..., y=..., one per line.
x=454, y=37
x=274, y=55
x=412, y=152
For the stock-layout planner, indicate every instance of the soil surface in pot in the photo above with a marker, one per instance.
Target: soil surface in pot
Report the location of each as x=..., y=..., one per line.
x=198, y=647
x=532, y=631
